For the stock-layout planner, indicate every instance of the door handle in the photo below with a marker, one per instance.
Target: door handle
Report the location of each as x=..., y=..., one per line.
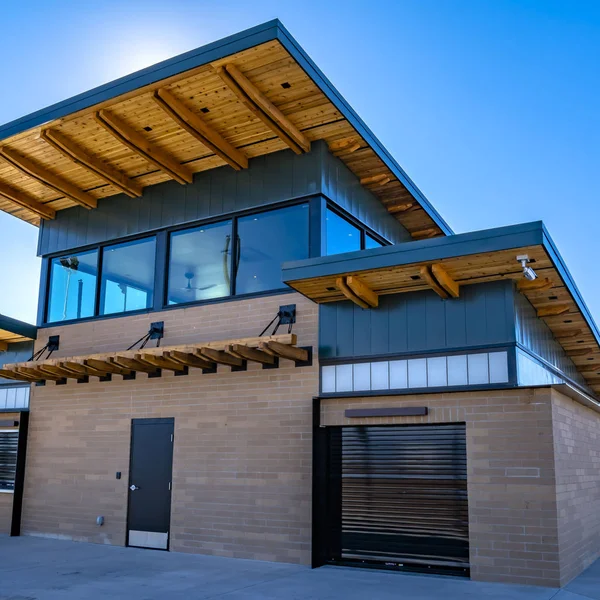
x=133, y=487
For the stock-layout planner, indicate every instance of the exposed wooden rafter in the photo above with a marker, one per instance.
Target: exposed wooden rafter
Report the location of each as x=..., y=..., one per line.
x=298, y=355
x=252, y=354
x=427, y=275
x=345, y=146
x=45, y=177
x=83, y=158
x=442, y=277
x=138, y=144
x=357, y=291
x=375, y=180
x=194, y=125
x=25, y=201
x=423, y=234
x=550, y=311
x=3, y=346
x=401, y=208
x=537, y=285
x=220, y=357
x=263, y=108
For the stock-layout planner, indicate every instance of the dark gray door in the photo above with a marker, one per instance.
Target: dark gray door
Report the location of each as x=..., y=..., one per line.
x=150, y=472
x=400, y=496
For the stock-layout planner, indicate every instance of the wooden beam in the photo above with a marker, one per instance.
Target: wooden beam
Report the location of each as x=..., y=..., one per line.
x=363, y=291
x=84, y=159
x=285, y=351
x=341, y=284
x=426, y=274
x=45, y=177
x=579, y=351
x=568, y=334
x=550, y=311
x=132, y=364
x=37, y=374
x=13, y=375
x=263, y=108
x=195, y=126
x=81, y=368
x=60, y=372
x=3, y=346
x=345, y=146
x=374, y=180
x=589, y=369
x=442, y=277
x=26, y=201
x=106, y=366
x=189, y=360
x=537, y=285
x=423, y=234
x=220, y=357
x=138, y=144
x=400, y=208
x=252, y=354
x=160, y=362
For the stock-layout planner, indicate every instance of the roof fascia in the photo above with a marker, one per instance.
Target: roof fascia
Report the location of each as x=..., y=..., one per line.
x=18, y=327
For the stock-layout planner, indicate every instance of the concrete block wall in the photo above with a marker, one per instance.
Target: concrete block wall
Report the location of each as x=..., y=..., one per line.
x=577, y=466
x=243, y=440
x=513, y=532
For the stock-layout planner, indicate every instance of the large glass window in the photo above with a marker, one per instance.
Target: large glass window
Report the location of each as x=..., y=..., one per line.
x=72, y=292
x=265, y=241
x=200, y=263
x=371, y=242
x=127, y=281
x=341, y=235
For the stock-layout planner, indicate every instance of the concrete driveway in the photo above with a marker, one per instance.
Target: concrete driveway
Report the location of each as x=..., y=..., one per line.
x=42, y=569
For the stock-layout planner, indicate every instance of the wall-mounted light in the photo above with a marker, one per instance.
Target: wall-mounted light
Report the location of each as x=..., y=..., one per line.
x=528, y=272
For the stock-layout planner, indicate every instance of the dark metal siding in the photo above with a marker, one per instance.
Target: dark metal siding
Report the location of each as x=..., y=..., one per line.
x=532, y=333
x=269, y=179
x=403, y=495
x=19, y=352
x=344, y=188
x=419, y=322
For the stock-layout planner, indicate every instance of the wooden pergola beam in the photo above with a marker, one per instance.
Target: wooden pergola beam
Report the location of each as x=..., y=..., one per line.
x=160, y=362
x=442, y=277
x=361, y=290
x=133, y=365
x=15, y=376
x=221, y=357
x=189, y=360
x=195, y=126
x=341, y=284
x=263, y=108
x=285, y=351
x=105, y=366
x=26, y=201
x=45, y=177
x=138, y=144
x=427, y=275
x=84, y=159
x=252, y=354
x=81, y=368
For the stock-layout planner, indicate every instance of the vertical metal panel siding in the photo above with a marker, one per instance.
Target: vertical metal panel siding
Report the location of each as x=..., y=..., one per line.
x=419, y=321
x=343, y=187
x=19, y=352
x=404, y=494
x=533, y=334
x=272, y=178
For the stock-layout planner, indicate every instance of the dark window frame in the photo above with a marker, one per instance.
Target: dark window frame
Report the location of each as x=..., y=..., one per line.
x=364, y=229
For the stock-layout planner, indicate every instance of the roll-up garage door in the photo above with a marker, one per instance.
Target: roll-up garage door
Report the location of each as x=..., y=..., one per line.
x=403, y=496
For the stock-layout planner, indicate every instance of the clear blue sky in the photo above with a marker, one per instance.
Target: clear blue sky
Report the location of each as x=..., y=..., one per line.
x=492, y=107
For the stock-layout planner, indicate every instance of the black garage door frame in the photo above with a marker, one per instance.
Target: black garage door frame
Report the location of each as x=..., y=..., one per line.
x=327, y=531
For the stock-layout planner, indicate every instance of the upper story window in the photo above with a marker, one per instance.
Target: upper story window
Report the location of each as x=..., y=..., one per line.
x=265, y=241
x=343, y=236
x=200, y=263
x=73, y=280
x=127, y=280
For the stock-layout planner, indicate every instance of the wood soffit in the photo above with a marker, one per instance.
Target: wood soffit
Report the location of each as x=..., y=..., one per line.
x=548, y=294
x=265, y=350
x=248, y=104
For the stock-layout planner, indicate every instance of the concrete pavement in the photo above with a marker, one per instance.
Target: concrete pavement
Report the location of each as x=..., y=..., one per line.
x=43, y=569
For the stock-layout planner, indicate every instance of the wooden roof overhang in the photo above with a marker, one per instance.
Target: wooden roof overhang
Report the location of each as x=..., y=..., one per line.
x=446, y=264
x=13, y=331
x=266, y=350
x=247, y=95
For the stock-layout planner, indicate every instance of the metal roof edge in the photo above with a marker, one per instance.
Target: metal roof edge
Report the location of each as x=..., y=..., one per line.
x=18, y=327
x=342, y=105
x=486, y=240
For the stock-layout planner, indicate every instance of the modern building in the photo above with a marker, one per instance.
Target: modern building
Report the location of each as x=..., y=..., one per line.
x=257, y=338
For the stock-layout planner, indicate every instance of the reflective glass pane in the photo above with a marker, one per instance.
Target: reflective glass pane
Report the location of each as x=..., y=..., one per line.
x=199, y=263
x=498, y=367
x=72, y=291
x=328, y=379
x=478, y=368
x=417, y=372
x=127, y=277
x=380, y=376
x=457, y=370
x=436, y=372
x=362, y=377
x=341, y=236
x=343, y=378
x=371, y=242
x=266, y=240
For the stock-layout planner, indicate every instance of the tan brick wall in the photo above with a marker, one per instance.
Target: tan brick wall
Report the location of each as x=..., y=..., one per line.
x=510, y=464
x=5, y=512
x=242, y=454
x=577, y=464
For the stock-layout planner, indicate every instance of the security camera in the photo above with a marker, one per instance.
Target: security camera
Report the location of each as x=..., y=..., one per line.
x=528, y=272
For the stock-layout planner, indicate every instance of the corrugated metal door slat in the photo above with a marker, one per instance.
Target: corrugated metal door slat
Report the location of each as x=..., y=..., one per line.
x=404, y=495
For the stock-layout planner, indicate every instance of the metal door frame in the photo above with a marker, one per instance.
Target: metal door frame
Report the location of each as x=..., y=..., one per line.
x=164, y=420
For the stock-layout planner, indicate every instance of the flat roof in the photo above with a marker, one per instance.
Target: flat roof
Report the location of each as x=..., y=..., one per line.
x=12, y=331
x=468, y=258
x=246, y=95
